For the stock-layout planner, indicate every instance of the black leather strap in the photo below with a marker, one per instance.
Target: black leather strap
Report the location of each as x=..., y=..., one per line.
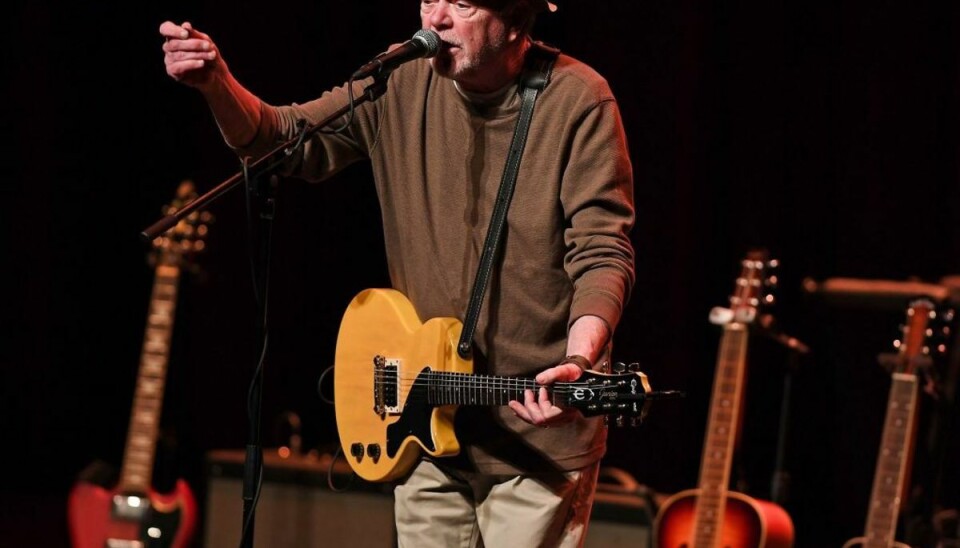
x=535, y=77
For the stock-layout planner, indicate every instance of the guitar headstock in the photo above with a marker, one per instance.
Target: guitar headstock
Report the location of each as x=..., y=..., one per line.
x=187, y=237
x=752, y=290
x=924, y=335
x=622, y=394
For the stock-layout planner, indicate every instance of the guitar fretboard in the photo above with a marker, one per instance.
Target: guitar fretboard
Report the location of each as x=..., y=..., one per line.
x=446, y=388
x=720, y=435
x=141, y=444
x=888, y=481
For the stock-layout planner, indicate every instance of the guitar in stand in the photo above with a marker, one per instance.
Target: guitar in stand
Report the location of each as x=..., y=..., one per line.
x=895, y=458
x=398, y=383
x=132, y=514
x=712, y=516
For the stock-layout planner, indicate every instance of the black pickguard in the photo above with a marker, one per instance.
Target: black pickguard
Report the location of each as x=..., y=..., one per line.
x=414, y=421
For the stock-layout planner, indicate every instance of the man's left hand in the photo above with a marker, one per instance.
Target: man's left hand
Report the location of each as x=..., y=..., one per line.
x=538, y=409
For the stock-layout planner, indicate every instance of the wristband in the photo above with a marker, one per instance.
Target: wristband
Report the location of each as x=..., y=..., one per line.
x=580, y=361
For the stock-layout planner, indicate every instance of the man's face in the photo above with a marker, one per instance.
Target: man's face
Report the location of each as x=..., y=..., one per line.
x=472, y=36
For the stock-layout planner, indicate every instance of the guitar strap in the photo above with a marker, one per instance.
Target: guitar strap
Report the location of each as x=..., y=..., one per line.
x=538, y=66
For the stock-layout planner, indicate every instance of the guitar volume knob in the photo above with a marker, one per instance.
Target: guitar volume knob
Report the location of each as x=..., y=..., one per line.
x=356, y=450
x=373, y=451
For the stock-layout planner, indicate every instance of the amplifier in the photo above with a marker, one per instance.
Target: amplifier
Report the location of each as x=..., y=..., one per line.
x=297, y=508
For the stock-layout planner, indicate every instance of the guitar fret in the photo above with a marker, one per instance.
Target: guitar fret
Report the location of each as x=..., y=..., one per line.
x=145, y=408
x=166, y=290
x=159, y=320
x=153, y=364
x=140, y=441
x=156, y=347
x=140, y=456
x=162, y=307
x=150, y=386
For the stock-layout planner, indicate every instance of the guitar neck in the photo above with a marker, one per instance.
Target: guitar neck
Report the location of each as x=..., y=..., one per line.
x=448, y=388
x=140, y=449
x=889, y=480
x=721, y=432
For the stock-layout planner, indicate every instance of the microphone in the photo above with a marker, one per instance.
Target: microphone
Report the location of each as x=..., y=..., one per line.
x=425, y=43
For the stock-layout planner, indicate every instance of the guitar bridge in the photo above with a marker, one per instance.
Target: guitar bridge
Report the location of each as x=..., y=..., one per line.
x=385, y=385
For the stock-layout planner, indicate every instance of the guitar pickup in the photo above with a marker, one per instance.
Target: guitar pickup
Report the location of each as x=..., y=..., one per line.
x=386, y=385
x=129, y=507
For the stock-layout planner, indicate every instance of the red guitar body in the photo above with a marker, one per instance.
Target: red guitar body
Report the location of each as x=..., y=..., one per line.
x=97, y=515
x=747, y=523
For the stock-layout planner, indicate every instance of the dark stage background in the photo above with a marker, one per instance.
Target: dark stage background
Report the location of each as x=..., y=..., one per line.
x=826, y=132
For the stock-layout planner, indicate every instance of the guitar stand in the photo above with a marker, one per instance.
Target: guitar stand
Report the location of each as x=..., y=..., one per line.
x=780, y=482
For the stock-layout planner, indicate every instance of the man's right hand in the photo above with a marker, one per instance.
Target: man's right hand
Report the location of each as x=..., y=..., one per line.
x=190, y=56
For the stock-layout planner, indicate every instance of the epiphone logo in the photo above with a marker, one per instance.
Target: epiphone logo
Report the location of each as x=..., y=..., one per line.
x=581, y=394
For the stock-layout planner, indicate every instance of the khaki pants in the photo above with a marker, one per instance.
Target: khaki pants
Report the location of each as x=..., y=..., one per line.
x=441, y=508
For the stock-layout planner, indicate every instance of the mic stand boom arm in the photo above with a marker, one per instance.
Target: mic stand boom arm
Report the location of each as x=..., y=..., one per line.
x=265, y=164
x=253, y=464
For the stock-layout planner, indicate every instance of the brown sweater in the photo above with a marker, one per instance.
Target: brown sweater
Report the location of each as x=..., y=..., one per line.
x=437, y=161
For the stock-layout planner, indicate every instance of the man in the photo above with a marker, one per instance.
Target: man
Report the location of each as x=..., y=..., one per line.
x=437, y=141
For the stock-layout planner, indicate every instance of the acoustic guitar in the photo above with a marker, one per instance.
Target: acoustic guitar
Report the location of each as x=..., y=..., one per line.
x=890, y=480
x=712, y=516
x=132, y=514
x=398, y=383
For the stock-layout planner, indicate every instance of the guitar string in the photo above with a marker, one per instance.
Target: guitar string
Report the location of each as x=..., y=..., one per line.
x=474, y=383
x=462, y=387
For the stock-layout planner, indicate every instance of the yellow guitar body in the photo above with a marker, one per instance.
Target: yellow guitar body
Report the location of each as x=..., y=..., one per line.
x=381, y=324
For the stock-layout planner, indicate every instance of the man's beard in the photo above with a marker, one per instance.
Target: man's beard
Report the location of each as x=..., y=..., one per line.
x=464, y=67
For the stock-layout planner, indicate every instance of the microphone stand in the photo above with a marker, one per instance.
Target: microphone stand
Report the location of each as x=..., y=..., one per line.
x=265, y=206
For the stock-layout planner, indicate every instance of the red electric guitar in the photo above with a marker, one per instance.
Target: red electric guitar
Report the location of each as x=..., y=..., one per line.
x=132, y=514
x=711, y=516
x=891, y=480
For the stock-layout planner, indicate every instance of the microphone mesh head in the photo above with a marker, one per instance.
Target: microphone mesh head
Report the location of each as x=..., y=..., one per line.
x=430, y=41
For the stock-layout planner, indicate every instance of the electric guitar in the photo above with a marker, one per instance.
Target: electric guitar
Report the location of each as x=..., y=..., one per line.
x=398, y=382
x=712, y=516
x=132, y=514
x=890, y=481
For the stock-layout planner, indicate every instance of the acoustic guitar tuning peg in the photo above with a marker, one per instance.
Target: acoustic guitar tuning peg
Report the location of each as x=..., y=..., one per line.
x=620, y=421
x=634, y=421
x=634, y=367
x=619, y=367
